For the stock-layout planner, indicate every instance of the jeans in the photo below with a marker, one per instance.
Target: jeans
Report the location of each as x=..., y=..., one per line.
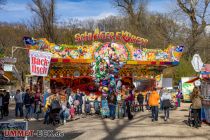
x=46, y=116
x=154, y=112
x=141, y=106
x=166, y=112
x=28, y=111
x=128, y=110
x=112, y=108
x=19, y=107
x=179, y=102
x=37, y=110
x=124, y=108
x=79, y=109
x=64, y=115
x=1, y=111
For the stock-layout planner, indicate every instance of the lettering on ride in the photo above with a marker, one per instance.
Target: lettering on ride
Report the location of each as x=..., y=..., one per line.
x=119, y=36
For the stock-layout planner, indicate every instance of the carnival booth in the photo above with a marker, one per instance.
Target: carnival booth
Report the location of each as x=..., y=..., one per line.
x=205, y=88
x=102, y=58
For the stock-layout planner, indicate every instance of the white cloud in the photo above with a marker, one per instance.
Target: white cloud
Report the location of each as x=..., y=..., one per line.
x=12, y=7
x=100, y=16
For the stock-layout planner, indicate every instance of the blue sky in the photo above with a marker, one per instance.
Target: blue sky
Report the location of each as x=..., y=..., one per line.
x=18, y=11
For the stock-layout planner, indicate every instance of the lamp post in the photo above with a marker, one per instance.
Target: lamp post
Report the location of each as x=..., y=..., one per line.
x=14, y=48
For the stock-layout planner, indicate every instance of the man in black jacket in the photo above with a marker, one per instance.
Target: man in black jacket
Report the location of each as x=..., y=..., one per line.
x=27, y=103
x=6, y=103
x=140, y=99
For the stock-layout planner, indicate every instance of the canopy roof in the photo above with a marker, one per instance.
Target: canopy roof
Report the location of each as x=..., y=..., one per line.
x=126, y=52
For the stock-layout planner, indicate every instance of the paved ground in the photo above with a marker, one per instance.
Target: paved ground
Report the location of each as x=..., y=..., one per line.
x=141, y=127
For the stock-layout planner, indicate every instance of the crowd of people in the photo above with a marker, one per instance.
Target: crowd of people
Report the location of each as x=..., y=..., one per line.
x=64, y=104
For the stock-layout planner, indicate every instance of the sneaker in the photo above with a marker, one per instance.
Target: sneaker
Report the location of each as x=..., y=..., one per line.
x=32, y=119
x=64, y=122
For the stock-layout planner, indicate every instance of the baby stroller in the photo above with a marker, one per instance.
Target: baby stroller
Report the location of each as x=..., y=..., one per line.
x=190, y=117
x=54, y=114
x=192, y=121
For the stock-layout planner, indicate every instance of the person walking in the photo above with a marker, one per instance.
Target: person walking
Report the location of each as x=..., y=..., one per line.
x=147, y=100
x=196, y=99
x=27, y=103
x=140, y=99
x=179, y=96
x=19, y=103
x=129, y=100
x=6, y=103
x=68, y=91
x=1, y=105
x=71, y=99
x=79, y=97
x=37, y=104
x=153, y=102
x=161, y=93
x=32, y=104
x=112, y=100
x=64, y=113
x=166, y=103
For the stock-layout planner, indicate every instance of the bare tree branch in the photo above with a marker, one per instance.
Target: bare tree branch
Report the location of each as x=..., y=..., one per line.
x=198, y=20
x=45, y=11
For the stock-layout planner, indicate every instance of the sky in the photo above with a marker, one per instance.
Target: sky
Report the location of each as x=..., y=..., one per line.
x=16, y=11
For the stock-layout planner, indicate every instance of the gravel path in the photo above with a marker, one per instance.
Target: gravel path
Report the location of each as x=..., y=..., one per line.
x=141, y=127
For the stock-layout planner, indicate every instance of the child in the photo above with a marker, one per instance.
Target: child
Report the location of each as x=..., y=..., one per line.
x=64, y=113
x=72, y=112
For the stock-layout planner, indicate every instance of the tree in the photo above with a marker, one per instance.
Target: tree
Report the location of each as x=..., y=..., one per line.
x=135, y=10
x=197, y=12
x=45, y=12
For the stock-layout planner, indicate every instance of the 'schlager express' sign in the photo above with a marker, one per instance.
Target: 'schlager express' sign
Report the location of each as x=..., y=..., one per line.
x=39, y=62
x=120, y=36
